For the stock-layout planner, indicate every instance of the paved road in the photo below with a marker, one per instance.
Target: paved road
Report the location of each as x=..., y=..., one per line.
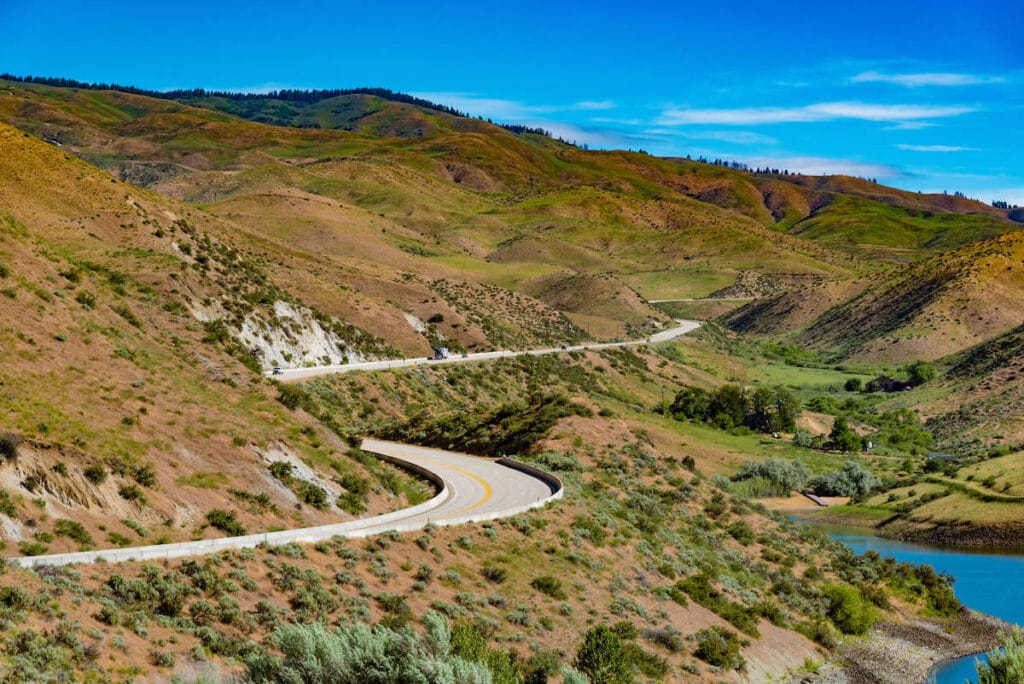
x=471, y=489
x=684, y=327
x=704, y=299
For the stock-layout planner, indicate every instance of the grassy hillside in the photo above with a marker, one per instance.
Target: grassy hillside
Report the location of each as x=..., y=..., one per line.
x=929, y=309
x=137, y=323
x=131, y=379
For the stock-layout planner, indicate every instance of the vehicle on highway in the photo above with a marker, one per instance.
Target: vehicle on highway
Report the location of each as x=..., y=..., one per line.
x=440, y=353
x=278, y=370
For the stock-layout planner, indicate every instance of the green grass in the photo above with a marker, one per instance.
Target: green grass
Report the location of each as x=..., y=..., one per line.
x=203, y=480
x=877, y=230
x=679, y=284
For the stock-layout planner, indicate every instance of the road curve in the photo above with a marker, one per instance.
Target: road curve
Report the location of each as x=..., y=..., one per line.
x=684, y=327
x=470, y=489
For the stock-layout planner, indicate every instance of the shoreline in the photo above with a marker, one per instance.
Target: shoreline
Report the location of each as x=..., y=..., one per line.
x=909, y=648
x=911, y=651
x=1003, y=538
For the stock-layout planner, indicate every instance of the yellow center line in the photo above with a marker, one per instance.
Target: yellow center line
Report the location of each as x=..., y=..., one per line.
x=487, y=488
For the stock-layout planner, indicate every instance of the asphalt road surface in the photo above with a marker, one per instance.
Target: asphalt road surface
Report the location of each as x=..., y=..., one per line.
x=472, y=489
x=684, y=327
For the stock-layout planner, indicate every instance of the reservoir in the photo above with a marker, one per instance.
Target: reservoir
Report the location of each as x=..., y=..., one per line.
x=987, y=580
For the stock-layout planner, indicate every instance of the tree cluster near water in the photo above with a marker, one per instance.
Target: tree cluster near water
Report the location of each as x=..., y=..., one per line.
x=764, y=410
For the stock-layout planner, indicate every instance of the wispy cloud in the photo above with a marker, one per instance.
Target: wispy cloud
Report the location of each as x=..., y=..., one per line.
x=824, y=166
x=935, y=148
x=736, y=137
x=824, y=111
x=910, y=126
x=595, y=104
x=926, y=79
x=485, y=106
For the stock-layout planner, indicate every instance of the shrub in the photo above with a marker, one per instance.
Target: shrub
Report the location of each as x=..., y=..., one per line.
x=920, y=372
x=95, y=473
x=601, y=657
x=86, y=299
x=225, y=522
x=291, y=396
x=1006, y=664
x=853, y=385
x=132, y=493
x=282, y=470
x=546, y=584
x=719, y=647
x=7, y=504
x=312, y=494
x=848, y=609
x=74, y=531
x=852, y=480
x=742, y=532
x=494, y=574
x=783, y=473
x=358, y=654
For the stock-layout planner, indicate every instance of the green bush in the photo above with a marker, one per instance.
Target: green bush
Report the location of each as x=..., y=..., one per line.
x=852, y=480
x=282, y=470
x=784, y=474
x=7, y=504
x=719, y=647
x=225, y=522
x=601, y=657
x=86, y=299
x=919, y=372
x=74, y=531
x=312, y=494
x=546, y=584
x=742, y=532
x=132, y=493
x=848, y=609
x=1004, y=665
x=95, y=473
x=357, y=654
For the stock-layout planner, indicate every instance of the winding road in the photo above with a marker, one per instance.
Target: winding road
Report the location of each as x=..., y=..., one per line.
x=684, y=327
x=469, y=488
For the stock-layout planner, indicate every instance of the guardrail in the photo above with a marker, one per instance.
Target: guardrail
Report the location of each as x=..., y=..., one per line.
x=360, y=527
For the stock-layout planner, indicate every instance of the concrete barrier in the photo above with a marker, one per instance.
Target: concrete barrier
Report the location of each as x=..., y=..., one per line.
x=350, y=528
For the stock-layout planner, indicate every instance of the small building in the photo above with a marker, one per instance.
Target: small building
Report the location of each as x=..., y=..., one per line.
x=883, y=383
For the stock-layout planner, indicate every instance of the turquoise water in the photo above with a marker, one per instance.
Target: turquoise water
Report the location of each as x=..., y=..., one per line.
x=988, y=581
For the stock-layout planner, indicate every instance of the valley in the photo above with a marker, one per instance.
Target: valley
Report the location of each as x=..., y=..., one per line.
x=215, y=313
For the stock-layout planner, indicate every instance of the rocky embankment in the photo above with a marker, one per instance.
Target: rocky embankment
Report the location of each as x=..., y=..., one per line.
x=907, y=651
x=955, y=534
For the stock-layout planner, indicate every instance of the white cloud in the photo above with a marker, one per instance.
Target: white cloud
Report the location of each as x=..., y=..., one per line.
x=910, y=126
x=935, y=148
x=595, y=104
x=824, y=111
x=736, y=137
x=926, y=79
x=482, y=106
x=824, y=166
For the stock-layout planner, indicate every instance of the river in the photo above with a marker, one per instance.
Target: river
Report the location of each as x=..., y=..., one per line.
x=986, y=580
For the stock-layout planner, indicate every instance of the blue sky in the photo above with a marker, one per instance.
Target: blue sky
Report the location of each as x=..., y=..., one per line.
x=925, y=99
